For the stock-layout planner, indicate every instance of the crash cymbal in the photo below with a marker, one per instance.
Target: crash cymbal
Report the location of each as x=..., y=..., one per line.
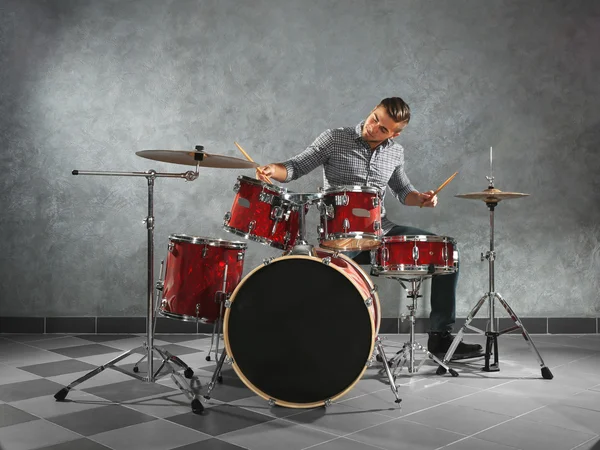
x=191, y=158
x=491, y=195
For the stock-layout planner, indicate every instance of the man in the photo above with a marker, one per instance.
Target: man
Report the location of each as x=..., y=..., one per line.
x=366, y=155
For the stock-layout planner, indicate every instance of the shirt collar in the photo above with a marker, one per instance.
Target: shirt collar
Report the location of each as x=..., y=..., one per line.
x=385, y=144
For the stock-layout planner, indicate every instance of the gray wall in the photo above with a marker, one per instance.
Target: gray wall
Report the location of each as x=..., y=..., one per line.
x=85, y=84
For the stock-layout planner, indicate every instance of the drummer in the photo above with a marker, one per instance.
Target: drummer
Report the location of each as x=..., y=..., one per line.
x=367, y=155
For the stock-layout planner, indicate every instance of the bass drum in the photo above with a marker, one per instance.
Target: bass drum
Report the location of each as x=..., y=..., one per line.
x=301, y=329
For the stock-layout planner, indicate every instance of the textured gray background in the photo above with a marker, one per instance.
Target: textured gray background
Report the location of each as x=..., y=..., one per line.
x=85, y=84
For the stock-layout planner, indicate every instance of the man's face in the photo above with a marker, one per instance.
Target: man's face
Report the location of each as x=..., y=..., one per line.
x=379, y=126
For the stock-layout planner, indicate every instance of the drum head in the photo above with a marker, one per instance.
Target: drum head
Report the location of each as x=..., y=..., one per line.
x=299, y=332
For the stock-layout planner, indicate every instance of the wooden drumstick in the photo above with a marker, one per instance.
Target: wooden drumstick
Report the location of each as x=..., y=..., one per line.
x=443, y=185
x=249, y=159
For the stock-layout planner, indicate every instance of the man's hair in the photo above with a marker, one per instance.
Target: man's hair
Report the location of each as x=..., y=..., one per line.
x=396, y=108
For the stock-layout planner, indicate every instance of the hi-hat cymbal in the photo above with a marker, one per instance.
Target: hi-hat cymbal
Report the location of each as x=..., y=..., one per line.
x=191, y=158
x=491, y=195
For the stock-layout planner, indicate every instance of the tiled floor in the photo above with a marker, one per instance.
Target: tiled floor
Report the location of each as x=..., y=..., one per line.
x=511, y=409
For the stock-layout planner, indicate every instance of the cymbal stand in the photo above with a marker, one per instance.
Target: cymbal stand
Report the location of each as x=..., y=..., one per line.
x=491, y=347
x=407, y=353
x=167, y=359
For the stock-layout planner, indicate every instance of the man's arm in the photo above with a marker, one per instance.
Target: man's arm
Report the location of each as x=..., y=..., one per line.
x=275, y=171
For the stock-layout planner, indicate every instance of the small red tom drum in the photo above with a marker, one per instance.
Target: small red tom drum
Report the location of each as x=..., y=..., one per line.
x=199, y=273
x=260, y=213
x=350, y=218
x=415, y=255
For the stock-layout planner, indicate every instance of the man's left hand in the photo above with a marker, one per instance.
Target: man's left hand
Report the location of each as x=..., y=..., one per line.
x=428, y=199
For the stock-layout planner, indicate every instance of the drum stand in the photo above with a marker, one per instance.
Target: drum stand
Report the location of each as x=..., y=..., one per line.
x=407, y=353
x=173, y=363
x=492, y=334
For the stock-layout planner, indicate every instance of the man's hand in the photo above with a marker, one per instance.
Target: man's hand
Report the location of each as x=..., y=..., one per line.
x=428, y=199
x=275, y=171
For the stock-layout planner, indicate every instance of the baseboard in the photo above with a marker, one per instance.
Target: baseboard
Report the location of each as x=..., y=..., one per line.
x=389, y=325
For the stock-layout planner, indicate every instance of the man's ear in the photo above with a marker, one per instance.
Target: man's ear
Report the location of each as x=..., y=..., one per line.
x=397, y=133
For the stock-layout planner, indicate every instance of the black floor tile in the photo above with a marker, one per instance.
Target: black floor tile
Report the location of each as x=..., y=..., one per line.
x=176, y=338
x=81, y=351
x=230, y=390
x=58, y=368
x=10, y=415
x=128, y=390
x=99, y=420
x=78, y=444
x=210, y=444
x=220, y=420
x=105, y=337
x=28, y=389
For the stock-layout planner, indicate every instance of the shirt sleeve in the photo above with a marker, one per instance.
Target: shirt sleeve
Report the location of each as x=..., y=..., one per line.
x=400, y=184
x=315, y=155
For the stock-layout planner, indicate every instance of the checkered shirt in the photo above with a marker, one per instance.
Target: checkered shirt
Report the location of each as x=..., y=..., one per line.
x=348, y=160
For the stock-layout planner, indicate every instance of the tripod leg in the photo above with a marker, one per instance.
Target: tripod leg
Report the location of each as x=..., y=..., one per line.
x=388, y=371
x=172, y=359
x=430, y=355
x=546, y=374
x=491, y=347
x=216, y=375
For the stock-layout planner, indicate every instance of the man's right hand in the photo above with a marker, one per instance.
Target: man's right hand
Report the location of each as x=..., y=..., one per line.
x=276, y=172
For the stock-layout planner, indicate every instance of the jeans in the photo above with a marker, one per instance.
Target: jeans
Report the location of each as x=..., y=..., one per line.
x=443, y=287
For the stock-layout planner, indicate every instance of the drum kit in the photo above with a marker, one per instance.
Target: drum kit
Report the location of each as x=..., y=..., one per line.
x=301, y=329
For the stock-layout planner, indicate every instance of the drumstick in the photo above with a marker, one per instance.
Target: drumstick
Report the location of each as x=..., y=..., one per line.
x=249, y=159
x=443, y=185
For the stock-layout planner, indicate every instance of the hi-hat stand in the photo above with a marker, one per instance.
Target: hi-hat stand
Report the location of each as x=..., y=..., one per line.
x=173, y=363
x=492, y=197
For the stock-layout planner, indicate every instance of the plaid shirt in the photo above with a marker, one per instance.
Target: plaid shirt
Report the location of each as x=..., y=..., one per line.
x=348, y=160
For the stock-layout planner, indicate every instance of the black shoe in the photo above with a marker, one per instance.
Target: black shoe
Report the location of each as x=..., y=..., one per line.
x=439, y=343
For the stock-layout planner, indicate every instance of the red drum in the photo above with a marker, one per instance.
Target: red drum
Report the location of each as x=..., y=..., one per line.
x=351, y=218
x=301, y=329
x=415, y=255
x=260, y=213
x=199, y=273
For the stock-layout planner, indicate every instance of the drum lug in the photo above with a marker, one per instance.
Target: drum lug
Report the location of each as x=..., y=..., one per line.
x=251, y=225
x=415, y=253
x=375, y=201
x=266, y=198
x=159, y=285
x=271, y=402
x=326, y=260
x=377, y=225
x=267, y=261
x=346, y=225
x=227, y=303
x=342, y=200
x=276, y=213
x=369, y=302
x=445, y=254
x=329, y=211
x=229, y=360
x=227, y=218
x=327, y=403
x=240, y=256
x=204, y=251
x=286, y=238
x=170, y=247
x=236, y=187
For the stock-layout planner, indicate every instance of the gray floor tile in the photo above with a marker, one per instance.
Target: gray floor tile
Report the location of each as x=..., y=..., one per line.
x=440, y=389
x=261, y=406
x=343, y=444
x=546, y=390
x=103, y=378
x=78, y=444
x=128, y=390
x=402, y=435
x=85, y=350
x=570, y=417
x=500, y=403
x=9, y=374
x=19, y=355
x=47, y=406
x=276, y=434
x=383, y=402
x=27, y=389
x=100, y=420
x=155, y=435
x=472, y=443
x=592, y=444
x=528, y=435
x=58, y=368
x=460, y=419
x=104, y=337
x=167, y=406
x=29, y=337
x=173, y=349
x=58, y=342
x=9, y=415
x=230, y=390
x=177, y=338
x=210, y=444
x=220, y=420
x=33, y=435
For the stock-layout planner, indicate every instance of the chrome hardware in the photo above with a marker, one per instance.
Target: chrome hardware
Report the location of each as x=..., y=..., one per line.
x=159, y=285
x=287, y=237
x=170, y=247
x=377, y=225
x=267, y=261
x=229, y=360
x=341, y=200
x=374, y=290
x=240, y=256
x=227, y=218
x=204, y=251
x=415, y=252
x=320, y=230
x=227, y=303
x=482, y=257
x=327, y=260
x=369, y=302
x=329, y=211
x=271, y=402
x=266, y=198
x=236, y=187
x=346, y=225
x=327, y=402
x=445, y=253
x=375, y=201
x=276, y=213
x=385, y=254
x=251, y=225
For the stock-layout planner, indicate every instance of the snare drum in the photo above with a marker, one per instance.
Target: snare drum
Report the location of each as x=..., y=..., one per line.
x=260, y=213
x=415, y=255
x=350, y=218
x=199, y=272
x=301, y=329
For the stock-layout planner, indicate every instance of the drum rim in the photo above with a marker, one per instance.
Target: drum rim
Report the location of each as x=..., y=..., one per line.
x=203, y=240
x=255, y=389
x=254, y=237
x=256, y=182
x=355, y=236
x=351, y=188
x=417, y=238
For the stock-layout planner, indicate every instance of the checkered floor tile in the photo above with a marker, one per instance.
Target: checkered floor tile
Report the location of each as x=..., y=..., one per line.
x=511, y=409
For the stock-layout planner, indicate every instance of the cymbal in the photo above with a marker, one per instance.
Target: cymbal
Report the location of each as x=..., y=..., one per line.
x=491, y=195
x=191, y=158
